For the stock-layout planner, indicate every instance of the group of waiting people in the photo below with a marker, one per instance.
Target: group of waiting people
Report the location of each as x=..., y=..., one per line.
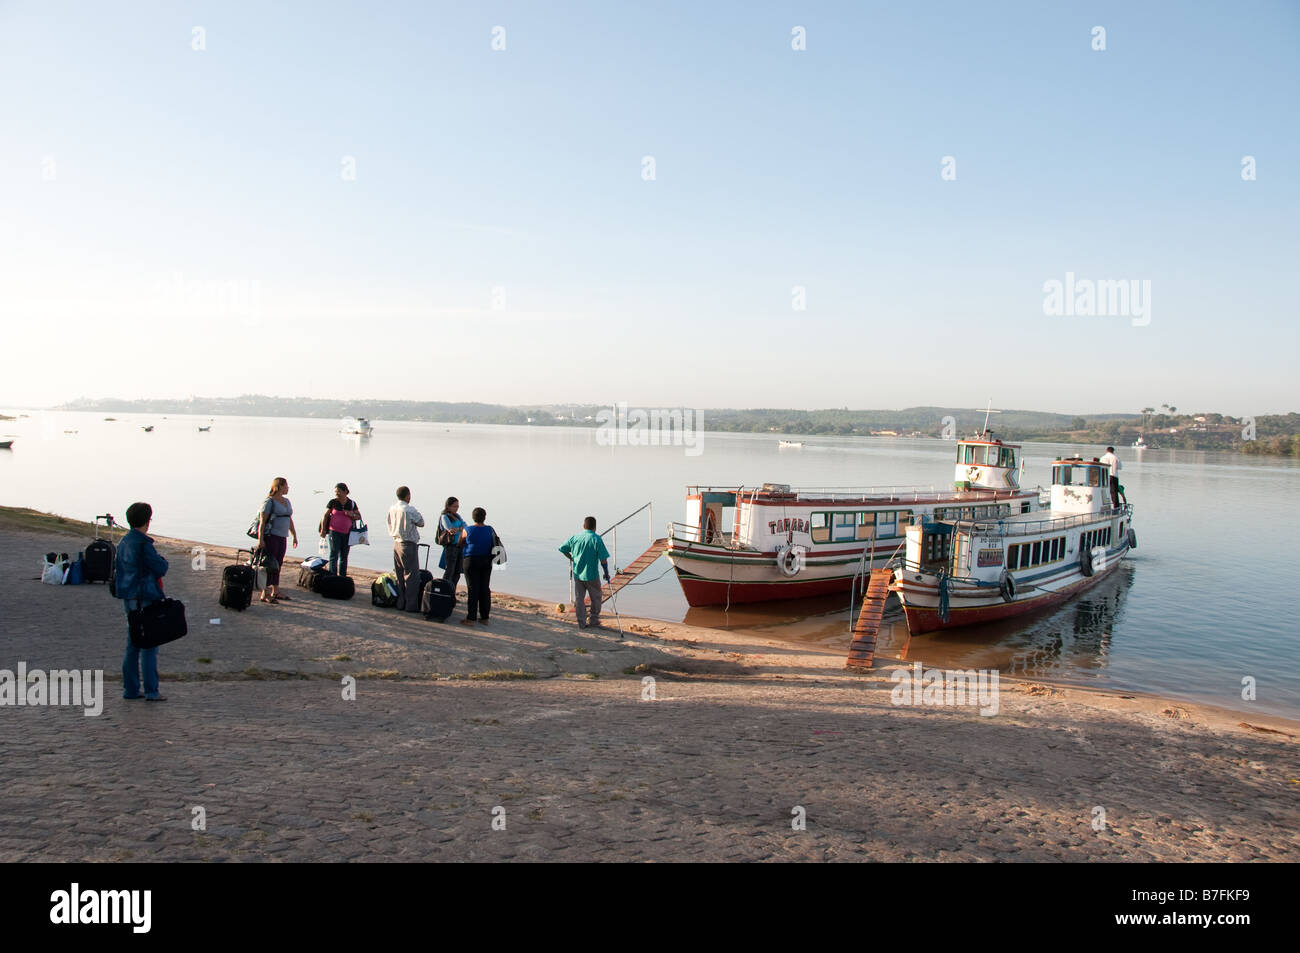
x=468, y=549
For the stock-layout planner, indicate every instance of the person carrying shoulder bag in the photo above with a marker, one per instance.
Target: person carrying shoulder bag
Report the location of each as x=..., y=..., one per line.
x=341, y=515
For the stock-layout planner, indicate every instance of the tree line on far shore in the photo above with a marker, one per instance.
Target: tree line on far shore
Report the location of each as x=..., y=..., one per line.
x=1275, y=434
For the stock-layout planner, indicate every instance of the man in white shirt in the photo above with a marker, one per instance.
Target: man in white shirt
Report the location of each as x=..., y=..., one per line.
x=403, y=518
x=1112, y=461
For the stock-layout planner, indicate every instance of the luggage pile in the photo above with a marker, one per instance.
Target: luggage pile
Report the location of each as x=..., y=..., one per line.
x=314, y=577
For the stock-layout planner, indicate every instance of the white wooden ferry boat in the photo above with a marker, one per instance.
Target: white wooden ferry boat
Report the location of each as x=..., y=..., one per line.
x=963, y=571
x=743, y=544
x=359, y=426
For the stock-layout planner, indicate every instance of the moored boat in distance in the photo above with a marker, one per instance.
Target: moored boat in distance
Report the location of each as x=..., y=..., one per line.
x=790, y=444
x=1140, y=443
x=356, y=426
x=756, y=544
x=957, y=572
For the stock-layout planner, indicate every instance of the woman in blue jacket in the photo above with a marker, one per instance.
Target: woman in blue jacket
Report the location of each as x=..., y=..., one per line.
x=137, y=581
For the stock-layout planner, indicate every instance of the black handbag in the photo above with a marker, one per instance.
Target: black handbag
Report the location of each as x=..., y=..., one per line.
x=157, y=623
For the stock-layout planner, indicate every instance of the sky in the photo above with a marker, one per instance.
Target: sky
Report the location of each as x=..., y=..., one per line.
x=359, y=200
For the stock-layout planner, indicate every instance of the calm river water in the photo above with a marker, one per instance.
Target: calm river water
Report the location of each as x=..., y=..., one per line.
x=1203, y=603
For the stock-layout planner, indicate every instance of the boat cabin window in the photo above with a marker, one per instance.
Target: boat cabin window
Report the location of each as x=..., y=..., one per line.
x=1077, y=475
x=821, y=530
x=1024, y=555
x=845, y=526
x=1006, y=457
x=968, y=456
x=866, y=525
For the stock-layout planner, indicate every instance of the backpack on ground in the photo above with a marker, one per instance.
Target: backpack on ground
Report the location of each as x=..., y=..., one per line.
x=309, y=577
x=383, y=591
x=237, y=584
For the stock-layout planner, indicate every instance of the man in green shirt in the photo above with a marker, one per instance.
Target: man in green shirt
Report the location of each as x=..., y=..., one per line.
x=585, y=550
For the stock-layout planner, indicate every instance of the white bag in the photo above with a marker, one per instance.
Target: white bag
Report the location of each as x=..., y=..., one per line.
x=323, y=548
x=52, y=574
x=360, y=535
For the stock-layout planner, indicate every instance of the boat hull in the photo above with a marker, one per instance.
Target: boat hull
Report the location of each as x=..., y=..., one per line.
x=973, y=606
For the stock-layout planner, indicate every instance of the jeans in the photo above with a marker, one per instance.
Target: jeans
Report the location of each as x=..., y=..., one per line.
x=136, y=659
x=1114, y=492
x=478, y=577
x=406, y=566
x=453, y=564
x=339, y=552
x=581, y=589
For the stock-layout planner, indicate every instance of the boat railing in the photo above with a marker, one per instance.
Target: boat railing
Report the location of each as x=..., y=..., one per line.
x=685, y=532
x=614, y=528
x=1032, y=527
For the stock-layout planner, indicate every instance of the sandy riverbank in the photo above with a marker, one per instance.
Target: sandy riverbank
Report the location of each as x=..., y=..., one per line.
x=741, y=729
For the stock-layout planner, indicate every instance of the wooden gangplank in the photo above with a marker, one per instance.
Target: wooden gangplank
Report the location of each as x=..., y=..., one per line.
x=639, y=565
x=863, y=647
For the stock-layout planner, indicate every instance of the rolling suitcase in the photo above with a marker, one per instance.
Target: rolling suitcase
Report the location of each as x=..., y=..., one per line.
x=437, y=600
x=335, y=587
x=426, y=577
x=100, y=554
x=237, y=584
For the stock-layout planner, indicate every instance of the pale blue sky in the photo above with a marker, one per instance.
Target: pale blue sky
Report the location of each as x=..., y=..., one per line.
x=521, y=169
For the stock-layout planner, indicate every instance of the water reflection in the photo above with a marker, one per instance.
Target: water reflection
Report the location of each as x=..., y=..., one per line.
x=1070, y=642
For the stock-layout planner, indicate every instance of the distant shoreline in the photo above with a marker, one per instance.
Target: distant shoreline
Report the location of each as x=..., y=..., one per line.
x=1277, y=435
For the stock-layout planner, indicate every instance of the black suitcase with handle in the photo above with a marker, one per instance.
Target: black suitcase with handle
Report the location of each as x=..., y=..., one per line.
x=237, y=583
x=100, y=554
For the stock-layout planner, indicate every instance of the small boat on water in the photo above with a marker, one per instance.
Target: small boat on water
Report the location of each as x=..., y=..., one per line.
x=1140, y=443
x=958, y=572
x=356, y=426
x=6, y=444
x=148, y=429
x=205, y=429
x=790, y=444
x=770, y=542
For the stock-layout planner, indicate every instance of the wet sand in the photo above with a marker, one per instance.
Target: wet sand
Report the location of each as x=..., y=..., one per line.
x=554, y=725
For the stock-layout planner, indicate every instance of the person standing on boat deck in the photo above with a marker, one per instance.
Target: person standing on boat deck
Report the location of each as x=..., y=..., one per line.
x=451, y=537
x=585, y=550
x=403, y=520
x=1112, y=461
x=137, y=581
x=480, y=544
x=274, y=526
x=341, y=514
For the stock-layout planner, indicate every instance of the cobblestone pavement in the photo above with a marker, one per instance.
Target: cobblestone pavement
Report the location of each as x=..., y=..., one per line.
x=588, y=770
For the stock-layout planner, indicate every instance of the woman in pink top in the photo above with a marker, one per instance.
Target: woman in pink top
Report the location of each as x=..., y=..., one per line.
x=340, y=516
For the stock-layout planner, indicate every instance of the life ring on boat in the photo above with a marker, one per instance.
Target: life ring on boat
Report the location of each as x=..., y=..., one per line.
x=1085, y=560
x=1007, y=586
x=789, y=560
x=1132, y=539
